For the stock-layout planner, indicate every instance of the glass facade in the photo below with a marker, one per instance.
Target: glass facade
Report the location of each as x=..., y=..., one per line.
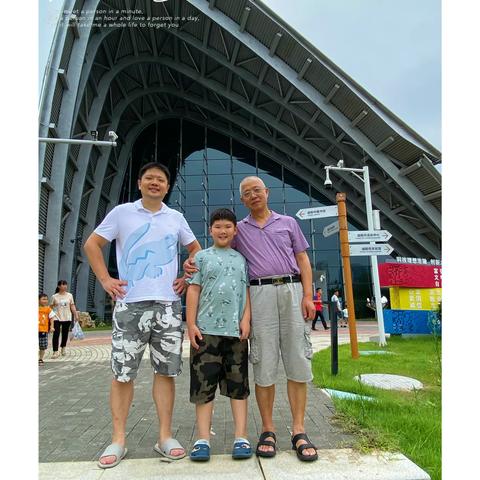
x=206, y=169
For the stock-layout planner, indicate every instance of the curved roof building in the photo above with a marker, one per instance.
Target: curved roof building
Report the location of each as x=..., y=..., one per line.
x=216, y=89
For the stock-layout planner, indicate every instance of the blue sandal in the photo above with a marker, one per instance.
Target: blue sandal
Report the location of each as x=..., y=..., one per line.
x=241, y=449
x=200, y=452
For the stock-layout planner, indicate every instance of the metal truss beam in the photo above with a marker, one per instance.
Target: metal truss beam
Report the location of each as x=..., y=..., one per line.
x=284, y=102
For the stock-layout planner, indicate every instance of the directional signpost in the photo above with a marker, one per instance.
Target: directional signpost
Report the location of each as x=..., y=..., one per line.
x=370, y=249
x=362, y=236
x=317, y=212
x=331, y=229
x=363, y=245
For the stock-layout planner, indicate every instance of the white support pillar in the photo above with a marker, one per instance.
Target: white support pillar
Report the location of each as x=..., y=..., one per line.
x=373, y=261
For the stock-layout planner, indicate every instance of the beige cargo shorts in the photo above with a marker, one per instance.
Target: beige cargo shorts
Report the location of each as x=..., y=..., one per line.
x=279, y=330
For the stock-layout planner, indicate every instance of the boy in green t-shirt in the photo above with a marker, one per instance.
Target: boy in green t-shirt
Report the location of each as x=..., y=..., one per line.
x=218, y=322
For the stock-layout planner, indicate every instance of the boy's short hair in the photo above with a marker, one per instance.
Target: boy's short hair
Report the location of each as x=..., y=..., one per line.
x=41, y=295
x=223, y=214
x=158, y=165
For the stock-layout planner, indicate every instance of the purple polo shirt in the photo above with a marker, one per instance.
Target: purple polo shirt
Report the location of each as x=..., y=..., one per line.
x=270, y=250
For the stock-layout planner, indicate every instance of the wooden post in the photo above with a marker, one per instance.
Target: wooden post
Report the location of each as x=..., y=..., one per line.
x=347, y=271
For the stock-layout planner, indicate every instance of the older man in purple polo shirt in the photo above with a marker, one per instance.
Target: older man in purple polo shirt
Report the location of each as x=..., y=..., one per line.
x=282, y=303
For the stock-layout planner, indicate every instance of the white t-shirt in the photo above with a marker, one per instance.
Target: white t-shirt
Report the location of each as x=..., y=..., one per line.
x=146, y=247
x=345, y=313
x=337, y=300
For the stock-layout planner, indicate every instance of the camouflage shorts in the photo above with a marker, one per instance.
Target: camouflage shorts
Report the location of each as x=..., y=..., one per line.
x=154, y=323
x=219, y=360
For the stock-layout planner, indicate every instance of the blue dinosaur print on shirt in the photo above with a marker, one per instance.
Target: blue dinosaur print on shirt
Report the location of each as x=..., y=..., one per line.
x=147, y=259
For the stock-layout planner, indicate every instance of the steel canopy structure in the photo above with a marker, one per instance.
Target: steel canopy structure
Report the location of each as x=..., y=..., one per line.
x=235, y=67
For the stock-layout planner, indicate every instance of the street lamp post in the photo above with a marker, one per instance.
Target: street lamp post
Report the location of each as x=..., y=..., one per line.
x=365, y=178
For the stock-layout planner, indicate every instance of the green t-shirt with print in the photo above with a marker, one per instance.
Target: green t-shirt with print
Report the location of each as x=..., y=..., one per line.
x=222, y=274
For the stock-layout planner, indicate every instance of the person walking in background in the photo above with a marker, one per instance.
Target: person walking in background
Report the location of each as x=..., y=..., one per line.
x=345, y=316
x=317, y=300
x=218, y=322
x=45, y=325
x=337, y=306
x=384, y=301
x=63, y=305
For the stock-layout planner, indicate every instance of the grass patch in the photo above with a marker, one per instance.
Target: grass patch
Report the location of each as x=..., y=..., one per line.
x=409, y=422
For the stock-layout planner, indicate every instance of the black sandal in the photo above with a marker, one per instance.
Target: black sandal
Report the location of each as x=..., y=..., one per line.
x=267, y=443
x=301, y=448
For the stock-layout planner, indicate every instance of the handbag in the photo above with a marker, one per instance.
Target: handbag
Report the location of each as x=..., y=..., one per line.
x=77, y=332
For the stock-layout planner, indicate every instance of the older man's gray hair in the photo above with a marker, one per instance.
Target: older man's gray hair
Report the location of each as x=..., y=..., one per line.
x=252, y=177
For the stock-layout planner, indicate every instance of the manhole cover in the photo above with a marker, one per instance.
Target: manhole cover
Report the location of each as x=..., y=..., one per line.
x=389, y=382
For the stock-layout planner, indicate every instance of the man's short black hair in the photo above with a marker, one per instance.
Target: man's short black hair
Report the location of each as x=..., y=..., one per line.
x=158, y=165
x=223, y=214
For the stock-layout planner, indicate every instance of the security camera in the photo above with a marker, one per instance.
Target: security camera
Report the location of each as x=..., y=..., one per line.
x=328, y=183
x=340, y=163
x=112, y=135
x=94, y=134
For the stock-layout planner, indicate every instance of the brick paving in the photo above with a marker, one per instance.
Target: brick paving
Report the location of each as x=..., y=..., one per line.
x=74, y=420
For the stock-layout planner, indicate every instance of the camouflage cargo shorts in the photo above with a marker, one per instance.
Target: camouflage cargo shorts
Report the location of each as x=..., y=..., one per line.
x=140, y=323
x=219, y=361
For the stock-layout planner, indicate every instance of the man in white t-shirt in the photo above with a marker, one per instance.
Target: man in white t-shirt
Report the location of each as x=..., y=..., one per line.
x=338, y=307
x=384, y=301
x=148, y=308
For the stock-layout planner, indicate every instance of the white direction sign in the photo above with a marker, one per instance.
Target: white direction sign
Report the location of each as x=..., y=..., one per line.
x=369, y=236
x=331, y=229
x=370, y=250
x=317, y=212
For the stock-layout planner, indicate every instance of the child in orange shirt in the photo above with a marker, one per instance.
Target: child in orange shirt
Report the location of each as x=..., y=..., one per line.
x=45, y=313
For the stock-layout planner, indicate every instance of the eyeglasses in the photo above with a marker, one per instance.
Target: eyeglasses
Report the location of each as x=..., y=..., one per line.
x=256, y=191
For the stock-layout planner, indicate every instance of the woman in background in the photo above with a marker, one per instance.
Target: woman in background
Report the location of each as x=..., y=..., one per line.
x=64, y=307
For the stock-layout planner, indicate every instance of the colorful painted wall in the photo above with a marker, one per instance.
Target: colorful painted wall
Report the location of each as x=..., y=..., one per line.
x=415, y=296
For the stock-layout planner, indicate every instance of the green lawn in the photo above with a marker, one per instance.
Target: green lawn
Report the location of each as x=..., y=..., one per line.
x=409, y=422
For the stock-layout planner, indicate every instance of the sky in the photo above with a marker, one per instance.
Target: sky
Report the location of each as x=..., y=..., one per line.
x=392, y=48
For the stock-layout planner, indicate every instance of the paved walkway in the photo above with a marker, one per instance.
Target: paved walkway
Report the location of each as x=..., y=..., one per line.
x=96, y=345
x=75, y=423
x=75, y=420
